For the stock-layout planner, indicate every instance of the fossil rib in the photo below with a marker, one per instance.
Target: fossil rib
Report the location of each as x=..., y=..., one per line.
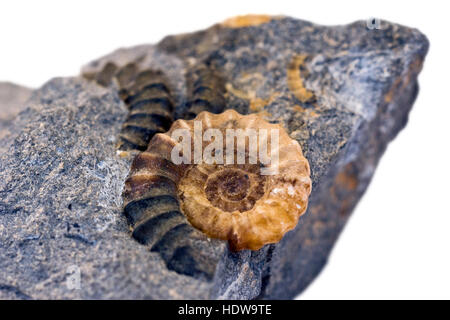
x=149, y=99
x=206, y=91
x=148, y=96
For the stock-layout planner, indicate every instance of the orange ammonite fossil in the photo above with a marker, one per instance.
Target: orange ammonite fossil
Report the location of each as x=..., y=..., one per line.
x=242, y=195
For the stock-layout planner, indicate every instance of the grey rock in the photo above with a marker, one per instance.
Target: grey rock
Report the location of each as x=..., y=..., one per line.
x=61, y=205
x=60, y=196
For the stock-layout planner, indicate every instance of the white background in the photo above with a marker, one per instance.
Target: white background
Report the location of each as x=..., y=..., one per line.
x=396, y=244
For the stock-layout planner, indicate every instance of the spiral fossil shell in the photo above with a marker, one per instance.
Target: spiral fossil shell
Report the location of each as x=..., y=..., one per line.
x=233, y=202
x=149, y=97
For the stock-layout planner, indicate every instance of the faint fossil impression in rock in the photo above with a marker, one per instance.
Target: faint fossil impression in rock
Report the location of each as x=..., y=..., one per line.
x=295, y=74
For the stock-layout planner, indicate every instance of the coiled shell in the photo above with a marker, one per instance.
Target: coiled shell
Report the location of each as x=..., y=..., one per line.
x=233, y=202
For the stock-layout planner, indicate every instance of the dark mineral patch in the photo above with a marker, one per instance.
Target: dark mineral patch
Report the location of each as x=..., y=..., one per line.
x=342, y=92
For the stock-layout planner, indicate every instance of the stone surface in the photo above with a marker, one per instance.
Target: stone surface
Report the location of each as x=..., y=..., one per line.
x=342, y=92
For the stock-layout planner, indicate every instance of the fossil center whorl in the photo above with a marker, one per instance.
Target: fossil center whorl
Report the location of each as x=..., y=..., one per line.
x=233, y=189
x=229, y=184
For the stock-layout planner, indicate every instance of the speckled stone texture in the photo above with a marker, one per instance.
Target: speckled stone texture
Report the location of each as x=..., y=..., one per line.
x=342, y=92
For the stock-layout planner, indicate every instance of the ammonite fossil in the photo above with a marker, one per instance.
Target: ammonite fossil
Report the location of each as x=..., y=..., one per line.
x=148, y=95
x=151, y=106
x=232, y=191
x=206, y=91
